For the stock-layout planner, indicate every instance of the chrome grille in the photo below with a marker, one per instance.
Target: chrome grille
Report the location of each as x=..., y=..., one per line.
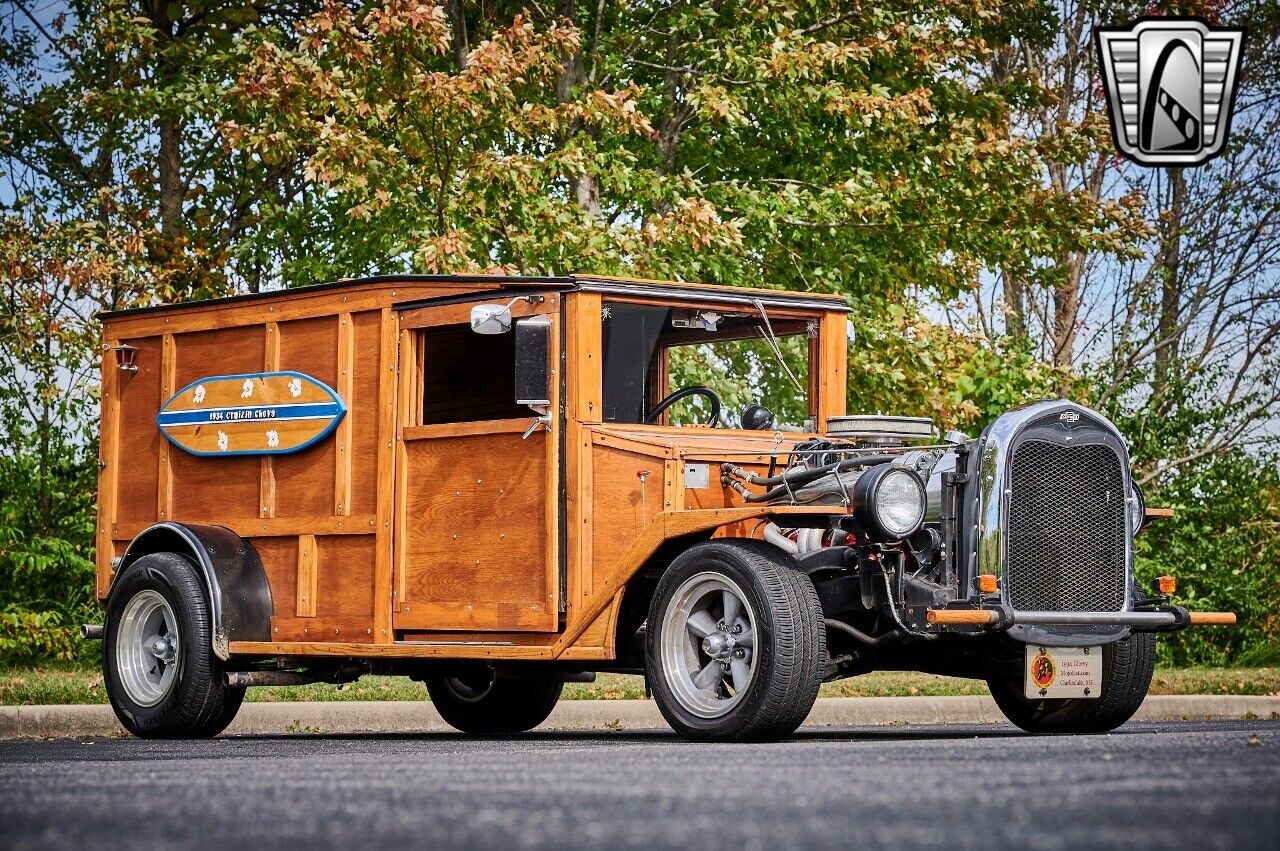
x=1066, y=528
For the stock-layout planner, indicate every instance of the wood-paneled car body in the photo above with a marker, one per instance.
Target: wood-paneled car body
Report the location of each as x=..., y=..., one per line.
x=498, y=484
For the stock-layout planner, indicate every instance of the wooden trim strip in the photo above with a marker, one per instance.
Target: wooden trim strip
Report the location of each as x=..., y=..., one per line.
x=583, y=357
x=164, y=476
x=409, y=650
x=648, y=448
x=272, y=527
x=308, y=558
x=409, y=390
x=108, y=465
x=267, y=472
x=472, y=429
x=527, y=617
x=460, y=313
x=342, y=454
x=286, y=306
x=833, y=386
x=552, y=504
x=388, y=363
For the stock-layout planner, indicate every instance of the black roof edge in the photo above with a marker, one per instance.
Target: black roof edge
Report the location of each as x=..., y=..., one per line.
x=712, y=294
x=508, y=282
x=500, y=280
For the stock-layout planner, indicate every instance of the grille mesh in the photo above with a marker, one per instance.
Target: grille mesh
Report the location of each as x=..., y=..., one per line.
x=1066, y=532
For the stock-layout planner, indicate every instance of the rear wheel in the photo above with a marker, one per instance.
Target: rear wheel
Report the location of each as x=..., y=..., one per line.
x=158, y=666
x=1127, y=667
x=482, y=705
x=735, y=644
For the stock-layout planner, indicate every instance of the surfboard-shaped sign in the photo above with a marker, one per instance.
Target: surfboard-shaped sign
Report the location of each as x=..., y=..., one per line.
x=259, y=413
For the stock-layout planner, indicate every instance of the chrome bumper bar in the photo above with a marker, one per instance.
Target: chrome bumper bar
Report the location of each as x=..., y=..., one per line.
x=1169, y=617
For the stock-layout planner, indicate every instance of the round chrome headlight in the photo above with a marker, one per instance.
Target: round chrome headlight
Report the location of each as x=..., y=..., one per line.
x=892, y=501
x=1137, y=508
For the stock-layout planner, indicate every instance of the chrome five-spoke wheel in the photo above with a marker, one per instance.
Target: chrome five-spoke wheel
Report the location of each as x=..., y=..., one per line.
x=735, y=647
x=147, y=648
x=707, y=644
x=158, y=665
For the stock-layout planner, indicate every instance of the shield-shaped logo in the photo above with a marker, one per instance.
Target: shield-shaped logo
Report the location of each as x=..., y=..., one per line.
x=1170, y=85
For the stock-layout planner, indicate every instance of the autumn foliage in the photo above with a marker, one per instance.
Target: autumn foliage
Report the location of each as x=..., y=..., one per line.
x=914, y=157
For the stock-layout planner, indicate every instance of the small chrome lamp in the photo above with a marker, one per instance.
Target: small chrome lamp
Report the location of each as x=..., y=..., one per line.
x=126, y=357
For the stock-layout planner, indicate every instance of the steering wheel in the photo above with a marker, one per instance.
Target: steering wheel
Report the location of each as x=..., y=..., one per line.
x=713, y=419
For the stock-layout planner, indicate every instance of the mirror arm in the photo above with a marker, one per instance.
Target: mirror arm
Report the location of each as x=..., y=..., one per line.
x=543, y=418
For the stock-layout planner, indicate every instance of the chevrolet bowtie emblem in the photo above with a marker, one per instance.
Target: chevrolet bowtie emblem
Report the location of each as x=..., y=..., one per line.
x=1170, y=86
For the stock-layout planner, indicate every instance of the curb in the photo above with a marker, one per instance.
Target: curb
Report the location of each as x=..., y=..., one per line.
x=62, y=722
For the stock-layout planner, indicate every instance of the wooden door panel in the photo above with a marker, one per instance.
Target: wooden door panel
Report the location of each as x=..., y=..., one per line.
x=475, y=534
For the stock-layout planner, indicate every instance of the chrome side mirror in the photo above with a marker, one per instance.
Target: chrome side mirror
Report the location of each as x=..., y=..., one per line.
x=491, y=318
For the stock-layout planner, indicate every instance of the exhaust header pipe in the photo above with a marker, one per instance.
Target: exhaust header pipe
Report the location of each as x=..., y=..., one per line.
x=91, y=631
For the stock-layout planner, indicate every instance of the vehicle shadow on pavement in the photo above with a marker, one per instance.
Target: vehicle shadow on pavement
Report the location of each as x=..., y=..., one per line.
x=868, y=734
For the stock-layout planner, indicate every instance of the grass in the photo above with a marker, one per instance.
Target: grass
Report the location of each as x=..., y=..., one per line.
x=54, y=685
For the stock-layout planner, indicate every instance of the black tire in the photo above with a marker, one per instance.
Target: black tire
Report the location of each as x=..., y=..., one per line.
x=196, y=703
x=231, y=702
x=789, y=649
x=1127, y=667
x=481, y=705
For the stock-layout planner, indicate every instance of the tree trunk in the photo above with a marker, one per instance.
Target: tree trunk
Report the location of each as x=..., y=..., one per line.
x=584, y=187
x=168, y=125
x=1066, y=315
x=171, y=191
x=46, y=425
x=458, y=29
x=1015, y=301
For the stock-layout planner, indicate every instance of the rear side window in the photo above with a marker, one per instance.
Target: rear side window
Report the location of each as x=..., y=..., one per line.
x=467, y=377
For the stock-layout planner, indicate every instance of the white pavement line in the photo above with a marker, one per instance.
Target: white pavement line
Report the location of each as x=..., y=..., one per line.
x=420, y=716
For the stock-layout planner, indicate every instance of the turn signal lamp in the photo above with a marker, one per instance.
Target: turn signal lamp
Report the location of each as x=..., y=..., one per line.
x=987, y=583
x=1166, y=585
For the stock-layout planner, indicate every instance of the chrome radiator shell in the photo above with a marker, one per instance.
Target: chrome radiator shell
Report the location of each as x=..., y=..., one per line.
x=1067, y=431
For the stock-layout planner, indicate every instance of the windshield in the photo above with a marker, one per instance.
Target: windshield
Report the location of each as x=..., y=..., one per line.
x=652, y=351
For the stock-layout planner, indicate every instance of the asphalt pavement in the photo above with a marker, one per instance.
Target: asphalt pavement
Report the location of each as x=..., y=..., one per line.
x=1167, y=785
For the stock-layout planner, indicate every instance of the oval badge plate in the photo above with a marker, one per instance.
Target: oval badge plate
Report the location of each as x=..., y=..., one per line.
x=260, y=413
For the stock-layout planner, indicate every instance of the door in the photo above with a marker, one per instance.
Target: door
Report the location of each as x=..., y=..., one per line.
x=477, y=474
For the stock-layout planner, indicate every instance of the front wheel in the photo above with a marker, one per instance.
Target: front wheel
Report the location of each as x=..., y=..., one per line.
x=736, y=645
x=158, y=666
x=1127, y=667
x=483, y=705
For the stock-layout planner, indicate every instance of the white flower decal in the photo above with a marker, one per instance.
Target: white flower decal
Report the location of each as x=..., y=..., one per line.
x=273, y=438
x=295, y=388
x=223, y=442
x=198, y=395
x=247, y=390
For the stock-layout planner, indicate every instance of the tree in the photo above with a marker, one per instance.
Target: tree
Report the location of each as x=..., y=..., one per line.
x=946, y=166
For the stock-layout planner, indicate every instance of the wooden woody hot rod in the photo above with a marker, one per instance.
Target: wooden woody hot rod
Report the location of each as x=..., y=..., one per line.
x=497, y=484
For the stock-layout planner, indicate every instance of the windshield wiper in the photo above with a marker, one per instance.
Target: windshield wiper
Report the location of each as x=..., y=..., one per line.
x=769, y=337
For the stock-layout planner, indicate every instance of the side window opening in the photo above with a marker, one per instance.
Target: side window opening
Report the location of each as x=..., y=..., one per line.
x=467, y=377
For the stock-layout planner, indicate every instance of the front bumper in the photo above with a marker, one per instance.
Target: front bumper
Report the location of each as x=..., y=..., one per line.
x=1164, y=619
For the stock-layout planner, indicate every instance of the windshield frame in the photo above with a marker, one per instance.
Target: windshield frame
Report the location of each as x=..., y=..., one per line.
x=824, y=389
